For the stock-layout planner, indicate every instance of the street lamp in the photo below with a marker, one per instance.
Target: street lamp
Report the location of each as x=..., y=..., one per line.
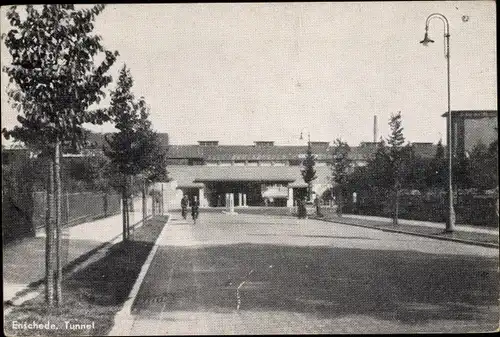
x=308, y=136
x=450, y=223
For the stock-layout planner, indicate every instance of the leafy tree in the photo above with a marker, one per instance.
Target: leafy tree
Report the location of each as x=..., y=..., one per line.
x=438, y=169
x=134, y=150
x=396, y=160
x=379, y=167
x=484, y=166
x=153, y=161
x=415, y=169
x=308, y=172
x=340, y=169
x=54, y=81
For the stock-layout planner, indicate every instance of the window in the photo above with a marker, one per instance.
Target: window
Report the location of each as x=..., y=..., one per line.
x=208, y=142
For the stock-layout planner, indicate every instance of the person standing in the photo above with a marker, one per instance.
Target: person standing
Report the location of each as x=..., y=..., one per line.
x=184, y=206
x=195, y=210
x=301, y=208
x=317, y=203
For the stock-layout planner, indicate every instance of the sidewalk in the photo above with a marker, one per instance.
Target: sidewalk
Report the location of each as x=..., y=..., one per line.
x=24, y=261
x=483, y=236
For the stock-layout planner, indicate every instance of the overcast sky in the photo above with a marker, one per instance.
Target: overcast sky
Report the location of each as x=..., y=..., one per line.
x=244, y=72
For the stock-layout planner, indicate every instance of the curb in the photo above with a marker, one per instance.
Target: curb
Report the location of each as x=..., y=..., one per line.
x=442, y=238
x=32, y=289
x=123, y=320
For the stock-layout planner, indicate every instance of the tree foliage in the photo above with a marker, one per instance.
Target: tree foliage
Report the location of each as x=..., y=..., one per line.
x=341, y=162
x=483, y=166
x=396, y=148
x=397, y=158
x=53, y=82
x=341, y=165
x=53, y=74
x=308, y=171
x=134, y=150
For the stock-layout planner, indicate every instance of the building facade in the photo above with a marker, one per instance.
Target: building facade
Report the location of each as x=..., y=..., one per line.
x=471, y=128
x=256, y=175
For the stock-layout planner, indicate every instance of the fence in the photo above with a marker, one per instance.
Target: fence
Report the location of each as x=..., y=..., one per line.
x=469, y=208
x=24, y=213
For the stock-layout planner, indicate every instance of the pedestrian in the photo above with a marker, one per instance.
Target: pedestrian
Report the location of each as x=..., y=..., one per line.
x=317, y=203
x=301, y=209
x=194, y=210
x=184, y=206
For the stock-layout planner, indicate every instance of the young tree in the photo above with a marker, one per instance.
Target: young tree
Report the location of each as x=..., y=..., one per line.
x=153, y=160
x=438, y=170
x=55, y=80
x=308, y=172
x=340, y=170
x=379, y=167
x=120, y=150
x=396, y=160
x=134, y=150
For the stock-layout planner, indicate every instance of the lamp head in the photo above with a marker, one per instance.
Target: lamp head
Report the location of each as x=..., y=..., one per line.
x=426, y=39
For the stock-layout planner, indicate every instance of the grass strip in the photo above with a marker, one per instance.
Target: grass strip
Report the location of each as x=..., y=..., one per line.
x=91, y=296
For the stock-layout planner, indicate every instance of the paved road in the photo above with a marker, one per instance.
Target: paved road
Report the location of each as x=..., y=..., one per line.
x=307, y=276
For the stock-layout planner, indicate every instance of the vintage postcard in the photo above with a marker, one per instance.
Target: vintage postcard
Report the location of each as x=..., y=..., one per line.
x=250, y=168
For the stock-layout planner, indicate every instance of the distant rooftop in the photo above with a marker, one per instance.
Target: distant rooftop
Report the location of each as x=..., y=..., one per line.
x=472, y=114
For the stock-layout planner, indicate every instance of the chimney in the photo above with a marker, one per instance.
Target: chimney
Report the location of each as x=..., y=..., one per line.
x=375, y=129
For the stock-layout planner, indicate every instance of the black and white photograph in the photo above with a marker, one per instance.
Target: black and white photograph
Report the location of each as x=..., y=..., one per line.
x=250, y=168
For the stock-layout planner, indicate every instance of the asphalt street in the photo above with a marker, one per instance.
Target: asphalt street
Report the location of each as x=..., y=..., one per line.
x=254, y=274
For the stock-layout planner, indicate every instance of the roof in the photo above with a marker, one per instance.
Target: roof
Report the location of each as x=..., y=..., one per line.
x=245, y=152
x=322, y=151
x=472, y=114
x=97, y=139
x=190, y=175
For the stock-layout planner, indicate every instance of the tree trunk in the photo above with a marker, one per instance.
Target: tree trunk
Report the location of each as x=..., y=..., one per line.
x=124, y=208
x=395, y=206
x=340, y=203
x=49, y=239
x=58, y=199
x=144, y=202
x=163, y=201
x=105, y=203
x=130, y=205
x=130, y=194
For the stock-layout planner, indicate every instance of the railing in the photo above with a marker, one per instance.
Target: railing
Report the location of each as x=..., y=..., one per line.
x=24, y=213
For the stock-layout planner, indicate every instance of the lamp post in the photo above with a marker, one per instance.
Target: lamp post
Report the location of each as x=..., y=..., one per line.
x=450, y=223
x=308, y=136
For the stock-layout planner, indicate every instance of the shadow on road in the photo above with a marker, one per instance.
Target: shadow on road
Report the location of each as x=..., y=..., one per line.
x=411, y=287
x=317, y=236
